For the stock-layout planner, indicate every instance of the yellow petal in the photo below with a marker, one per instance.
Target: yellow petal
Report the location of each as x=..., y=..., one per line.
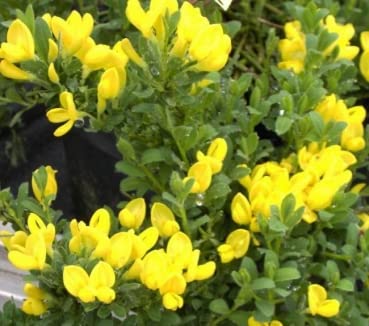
x=105, y=295
x=316, y=295
x=241, y=209
x=74, y=278
x=172, y=301
x=10, y=70
x=63, y=129
x=100, y=220
x=132, y=54
x=102, y=275
x=35, y=307
x=329, y=308
x=19, y=35
x=239, y=240
x=57, y=115
x=202, y=173
x=174, y=284
x=52, y=74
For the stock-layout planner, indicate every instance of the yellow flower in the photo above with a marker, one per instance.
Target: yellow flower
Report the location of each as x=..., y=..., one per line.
x=215, y=154
x=108, y=87
x=133, y=214
x=163, y=219
x=352, y=137
x=201, y=173
x=345, y=33
x=143, y=242
x=53, y=51
x=67, y=113
x=131, y=53
x=52, y=74
x=37, y=226
x=196, y=272
x=321, y=194
x=50, y=188
x=10, y=70
x=252, y=322
x=11, y=240
x=31, y=255
x=120, y=250
x=292, y=48
x=236, y=246
x=73, y=32
x=190, y=22
x=89, y=287
x=154, y=269
x=179, y=249
x=33, y=304
x=318, y=303
x=92, y=238
x=172, y=301
x=241, y=210
x=210, y=48
x=150, y=22
x=20, y=45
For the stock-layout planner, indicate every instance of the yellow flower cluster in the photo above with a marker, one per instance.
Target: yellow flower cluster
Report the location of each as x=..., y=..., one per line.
x=293, y=48
x=352, y=137
x=207, y=165
x=322, y=173
x=168, y=270
x=196, y=39
x=29, y=251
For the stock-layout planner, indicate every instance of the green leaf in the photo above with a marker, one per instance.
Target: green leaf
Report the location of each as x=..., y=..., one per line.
x=267, y=308
x=129, y=169
x=42, y=40
x=345, y=285
x=118, y=310
x=262, y=283
x=219, y=306
x=152, y=155
x=287, y=206
x=239, y=318
x=104, y=311
x=232, y=27
x=126, y=149
x=154, y=311
x=242, y=84
x=239, y=172
x=33, y=206
x=276, y=225
x=282, y=125
x=250, y=266
x=317, y=122
x=286, y=274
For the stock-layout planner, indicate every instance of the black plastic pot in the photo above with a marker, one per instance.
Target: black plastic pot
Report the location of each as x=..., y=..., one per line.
x=85, y=162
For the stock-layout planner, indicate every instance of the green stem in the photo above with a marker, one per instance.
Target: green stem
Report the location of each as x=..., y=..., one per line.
x=6, y=100
x=337, y=256
x=154, y=181
x=184, y=218
x=170, y=129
